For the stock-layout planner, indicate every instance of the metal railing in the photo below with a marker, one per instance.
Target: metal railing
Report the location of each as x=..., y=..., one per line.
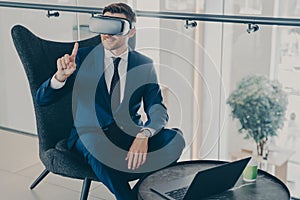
x=164, y=15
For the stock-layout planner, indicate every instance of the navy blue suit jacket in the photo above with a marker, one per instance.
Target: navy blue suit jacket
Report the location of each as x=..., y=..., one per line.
x=91, y=100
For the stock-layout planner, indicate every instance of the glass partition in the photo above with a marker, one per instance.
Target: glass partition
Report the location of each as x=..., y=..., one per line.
x=15, y=102
x=198, y=68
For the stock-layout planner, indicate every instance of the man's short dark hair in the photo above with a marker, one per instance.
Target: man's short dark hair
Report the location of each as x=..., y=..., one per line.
x=121, y=8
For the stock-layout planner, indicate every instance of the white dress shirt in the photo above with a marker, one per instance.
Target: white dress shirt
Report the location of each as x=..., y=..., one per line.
x=109, y=69
x=55, y=84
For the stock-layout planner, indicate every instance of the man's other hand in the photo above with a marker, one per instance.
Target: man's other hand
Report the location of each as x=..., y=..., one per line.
x=137, y=154
x=66, y=65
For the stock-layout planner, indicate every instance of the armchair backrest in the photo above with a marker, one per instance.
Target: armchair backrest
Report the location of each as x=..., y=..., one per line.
x=38, y=57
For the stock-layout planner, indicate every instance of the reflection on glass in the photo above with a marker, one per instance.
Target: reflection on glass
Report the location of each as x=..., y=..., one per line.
x=179, y=5
x=251, y=7
x=288, y=73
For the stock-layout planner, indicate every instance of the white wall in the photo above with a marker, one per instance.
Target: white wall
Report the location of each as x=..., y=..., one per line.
x=16, y=109
x=177, y=70
x=211, y=92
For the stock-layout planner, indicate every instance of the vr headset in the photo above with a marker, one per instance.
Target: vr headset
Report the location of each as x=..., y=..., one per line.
x=109, y=25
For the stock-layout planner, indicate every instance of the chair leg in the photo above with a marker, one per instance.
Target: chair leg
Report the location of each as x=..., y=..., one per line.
x=39, y=179
x=85, y=189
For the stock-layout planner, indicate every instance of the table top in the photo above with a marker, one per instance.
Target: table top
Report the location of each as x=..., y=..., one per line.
x=265, y=187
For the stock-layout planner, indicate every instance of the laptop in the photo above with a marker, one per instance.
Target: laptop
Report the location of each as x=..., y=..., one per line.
x=204, y=184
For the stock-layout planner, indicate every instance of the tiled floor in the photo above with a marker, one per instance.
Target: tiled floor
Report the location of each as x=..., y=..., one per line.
x=20, y=165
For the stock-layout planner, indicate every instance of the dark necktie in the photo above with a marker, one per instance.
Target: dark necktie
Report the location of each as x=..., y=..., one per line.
x=115, y=86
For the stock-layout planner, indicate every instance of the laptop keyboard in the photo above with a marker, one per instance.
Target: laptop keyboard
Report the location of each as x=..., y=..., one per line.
x=177, y=194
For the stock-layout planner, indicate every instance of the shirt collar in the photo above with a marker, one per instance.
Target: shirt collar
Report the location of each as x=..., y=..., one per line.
x=109, y=54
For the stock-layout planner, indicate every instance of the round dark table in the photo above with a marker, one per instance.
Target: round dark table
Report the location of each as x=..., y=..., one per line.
x=266, y=187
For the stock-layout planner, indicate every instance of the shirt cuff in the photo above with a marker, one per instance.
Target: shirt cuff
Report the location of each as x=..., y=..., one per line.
x=55, y=84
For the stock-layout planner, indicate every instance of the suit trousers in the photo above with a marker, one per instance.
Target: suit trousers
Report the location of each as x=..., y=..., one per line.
x=106, y=153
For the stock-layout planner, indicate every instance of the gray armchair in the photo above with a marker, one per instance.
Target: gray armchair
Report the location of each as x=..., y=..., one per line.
x=55, y=121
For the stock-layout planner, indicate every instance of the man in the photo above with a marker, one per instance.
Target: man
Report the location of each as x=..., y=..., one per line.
x=110, y=81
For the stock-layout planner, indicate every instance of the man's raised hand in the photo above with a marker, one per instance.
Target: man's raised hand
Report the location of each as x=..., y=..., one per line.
x=66, y=65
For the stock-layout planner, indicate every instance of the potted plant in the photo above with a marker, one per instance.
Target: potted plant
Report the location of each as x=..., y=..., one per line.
x=260, y=105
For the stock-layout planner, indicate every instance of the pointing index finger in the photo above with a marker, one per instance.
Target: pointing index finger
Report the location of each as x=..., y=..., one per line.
x=75, y=49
